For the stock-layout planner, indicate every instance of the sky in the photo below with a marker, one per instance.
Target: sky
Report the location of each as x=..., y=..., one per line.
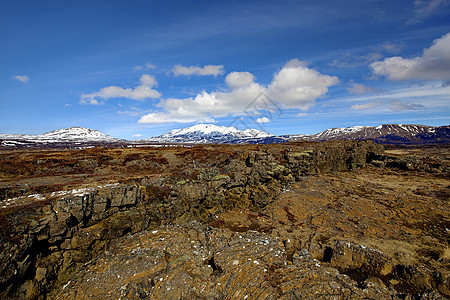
x=139, y=68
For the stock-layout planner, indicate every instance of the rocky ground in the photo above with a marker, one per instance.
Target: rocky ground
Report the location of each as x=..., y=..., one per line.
x=335, y=220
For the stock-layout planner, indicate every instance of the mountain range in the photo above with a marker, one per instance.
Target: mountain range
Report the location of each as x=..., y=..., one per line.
x=74, y=137
x=387, y=133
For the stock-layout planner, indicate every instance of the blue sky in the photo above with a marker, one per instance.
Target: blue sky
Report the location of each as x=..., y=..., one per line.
x=136, y=69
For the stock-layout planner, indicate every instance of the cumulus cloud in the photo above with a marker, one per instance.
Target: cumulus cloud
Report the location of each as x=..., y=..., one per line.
x=262, y=120
x=294, y=86
x=213, y=70
x=141, y=92
x=239, y=79
x=146, y=66
x=434, y=64
x=424, y=9
x=204, y=106
x=161, y=117
x=357, y=88
x=297, y=86
x=22, y=78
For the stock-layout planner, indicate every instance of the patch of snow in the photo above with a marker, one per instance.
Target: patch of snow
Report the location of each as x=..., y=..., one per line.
x=66, y=285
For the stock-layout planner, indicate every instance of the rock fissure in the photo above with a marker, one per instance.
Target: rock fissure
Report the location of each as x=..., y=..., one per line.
x=246, y=219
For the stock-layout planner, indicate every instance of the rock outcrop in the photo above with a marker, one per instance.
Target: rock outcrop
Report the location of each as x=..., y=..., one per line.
x=178, y=231
x=195, y=262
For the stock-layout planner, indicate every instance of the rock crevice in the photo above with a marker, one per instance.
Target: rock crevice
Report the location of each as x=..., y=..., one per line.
x=47, y=240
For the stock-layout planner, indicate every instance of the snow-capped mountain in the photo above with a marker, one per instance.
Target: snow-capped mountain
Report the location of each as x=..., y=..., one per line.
x=387, y=133
x=359, y=132
x=72, y=135
x=79, y=137
x=209, y=133
x=78, y=134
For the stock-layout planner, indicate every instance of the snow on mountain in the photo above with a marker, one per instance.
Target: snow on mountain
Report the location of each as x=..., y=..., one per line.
x=398, y=133
x=209, y=133
x=336, y=132
x=79, y=137
x=76, y=135
x=359, y=132
x=386, y=133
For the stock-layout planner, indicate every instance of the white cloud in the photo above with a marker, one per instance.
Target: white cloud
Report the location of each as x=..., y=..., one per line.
x=137, y=135
x=434, y=64
x=424, y=9
x=146, y=66
x=141, y=92
x=357, y=88
x=239, y=79
x=294, y=86
x=148, y=81
x=411, y=101
x=22, y=78
x=204, y=106
x=367, y=105
x=133, y=113
x=161, y=117
x=428, y=94
x=364, y=56
x=391, y=47
x=262, y=120
x=393, y=105
x=213, y=70
x=297, y=86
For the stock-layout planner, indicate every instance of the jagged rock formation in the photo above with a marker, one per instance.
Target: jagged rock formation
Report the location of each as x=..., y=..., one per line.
x=223, y=222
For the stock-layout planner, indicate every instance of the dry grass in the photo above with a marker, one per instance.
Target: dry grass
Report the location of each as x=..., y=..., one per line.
x=445, y=255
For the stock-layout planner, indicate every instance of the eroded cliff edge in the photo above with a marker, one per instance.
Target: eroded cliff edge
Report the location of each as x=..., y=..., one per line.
x=293, y=220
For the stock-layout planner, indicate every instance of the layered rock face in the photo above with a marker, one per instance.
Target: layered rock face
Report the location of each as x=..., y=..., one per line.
x=293, y=221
